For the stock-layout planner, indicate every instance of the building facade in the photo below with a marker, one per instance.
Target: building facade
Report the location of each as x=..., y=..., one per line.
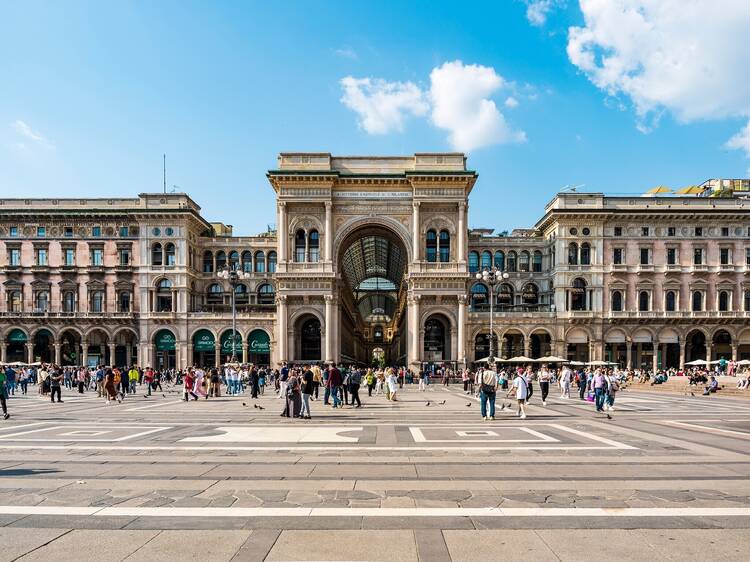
x=372, y=260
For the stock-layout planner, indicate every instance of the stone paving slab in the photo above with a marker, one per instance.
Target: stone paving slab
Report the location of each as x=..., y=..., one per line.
x=17, y=542
x=492, y=546
x=91, y=546
x=187, y=545
x=395, y=546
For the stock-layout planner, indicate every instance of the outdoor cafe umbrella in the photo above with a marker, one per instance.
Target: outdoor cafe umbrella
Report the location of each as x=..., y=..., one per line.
x=551, y=359
x=697, y=362
x=744, y=362
x=659, y=189
x=598, y=363
x=690, y=190
x=520, y=359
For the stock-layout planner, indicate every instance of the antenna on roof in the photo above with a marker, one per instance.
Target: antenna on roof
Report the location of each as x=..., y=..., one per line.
x=569, y=187
x=164, y=175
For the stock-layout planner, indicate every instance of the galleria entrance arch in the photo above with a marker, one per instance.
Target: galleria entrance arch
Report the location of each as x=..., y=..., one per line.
x=369, y=247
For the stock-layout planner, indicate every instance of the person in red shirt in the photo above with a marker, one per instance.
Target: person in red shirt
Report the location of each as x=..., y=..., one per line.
x=188, y=382
x=148, y=378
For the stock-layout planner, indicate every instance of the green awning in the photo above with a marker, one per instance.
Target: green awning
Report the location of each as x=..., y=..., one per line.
x=226, y=342
x=17, y=336
x=259, y=342
x=165, y=341
x=203, y=340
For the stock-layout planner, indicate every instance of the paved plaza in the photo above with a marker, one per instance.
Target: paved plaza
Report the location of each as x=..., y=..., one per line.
x=220, y=479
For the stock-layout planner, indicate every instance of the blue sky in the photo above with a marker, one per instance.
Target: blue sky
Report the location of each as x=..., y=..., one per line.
x=93, y=93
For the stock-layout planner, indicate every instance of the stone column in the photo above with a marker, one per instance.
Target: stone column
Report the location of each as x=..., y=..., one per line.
x=217, y=354
x=527, y=346
x=129, y=354
x=281, y=320
x=58, y=353
x=29, y=352
x=734, y=351
x=461, y=355
x=281, y=233
x=655, y=360
x=3, y=352
x=174, y=300
x=413, y=330
x=178, y=354
x=330, y=331
x=461, y=238
x=682, y=354
x=628, y=353
x=329, y=231
x=112, y=350
x=189, y=358
x=84, y=352
x=708, y=353
x=416, y=242
x=244, y=352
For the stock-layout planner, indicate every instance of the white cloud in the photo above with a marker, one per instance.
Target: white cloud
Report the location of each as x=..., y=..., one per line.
x=685, y=57
x=511, y=102
x=538, y=10
x=382, y=106
x=460, y=104
x=741, y=141
x=347, y=53
x=24, y=130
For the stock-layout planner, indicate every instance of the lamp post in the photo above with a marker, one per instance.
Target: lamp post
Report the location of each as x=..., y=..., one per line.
x=491, y=276
x=234, y=275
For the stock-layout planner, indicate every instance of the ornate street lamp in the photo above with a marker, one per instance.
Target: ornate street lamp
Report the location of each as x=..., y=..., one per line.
x=234, y=275
x=491, y=276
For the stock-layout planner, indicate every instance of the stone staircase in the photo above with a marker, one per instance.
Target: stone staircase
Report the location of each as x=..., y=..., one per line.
x=679, y=385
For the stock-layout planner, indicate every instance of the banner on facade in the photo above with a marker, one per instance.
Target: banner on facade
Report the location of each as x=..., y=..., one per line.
x=165, y=341
x=226, y=343
x=204, y=340
x=17, y=336
x=259, y=342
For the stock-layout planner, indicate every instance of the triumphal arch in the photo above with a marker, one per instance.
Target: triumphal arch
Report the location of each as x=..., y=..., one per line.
x=372, y=257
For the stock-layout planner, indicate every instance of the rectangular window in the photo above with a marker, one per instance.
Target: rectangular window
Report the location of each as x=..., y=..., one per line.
x=41, y=232
x=14, y=257
x=671, y=256
x=617, y=256
x=671, y=231
x=70, y=256
x=68, y=233
x=724, y=257
x=14, y=231
x=41, y=256
x=124, y=231
x=725, y=231
x=747, y=256
x=97, y=257
x=124, y=256
x=698, y=256
x=96, y=231
x=699, y=231
x=618, y=231
x=645, y=231
x=645, y=256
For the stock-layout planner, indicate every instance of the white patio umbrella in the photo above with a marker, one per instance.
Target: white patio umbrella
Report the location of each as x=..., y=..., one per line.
x=520, y=359
x=744, y=362
x=577, y=363
x=696, y=362
x=551, y=359
x=597, y=363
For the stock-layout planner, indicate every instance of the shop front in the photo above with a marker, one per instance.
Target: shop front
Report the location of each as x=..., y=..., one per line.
x=259, y=348
x=164, y=347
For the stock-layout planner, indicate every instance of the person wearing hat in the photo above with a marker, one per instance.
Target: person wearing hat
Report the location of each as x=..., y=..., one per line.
x=487, y=393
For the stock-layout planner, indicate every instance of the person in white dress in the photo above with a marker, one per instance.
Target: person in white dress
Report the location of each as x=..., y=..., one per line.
x=521, y=388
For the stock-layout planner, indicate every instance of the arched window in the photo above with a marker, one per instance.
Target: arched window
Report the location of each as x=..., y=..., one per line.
x=572, y=253
x=234, y=260
x=585, y=254
x=473, y=262
x=530, y=294
x=431, y=246
x=260, y=262
x=523, y=261
x=170, y=251
x=241, y=295
x=97, y=301
x=670, y=301
x=616, y=301
x=215, y=294
x=157, y=255
x=299, y=245
x=221, y=260
x=16, y=301
x=445, y=246
x=500, y=260
x=266, y=294
x=486, y=259
x=479, y=295
x=512, y=262
x=314, y=245
x=643, y=301
x=271, y=262
x=42, y=301
x=578, y=295
x=504, y=296
x=723, y=301
x=69, y=301
x=536, y=265
x=123, y=301
x=247, y=261
x=163, y=296
x=208, y=261
x=697, y=301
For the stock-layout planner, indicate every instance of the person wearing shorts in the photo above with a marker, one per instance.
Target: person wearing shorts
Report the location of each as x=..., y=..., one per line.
x=521, y=388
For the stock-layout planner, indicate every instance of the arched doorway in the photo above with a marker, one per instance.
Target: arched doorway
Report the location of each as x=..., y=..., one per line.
x=695, y=346
x=70, y=348
x=437, y=342
x=540, y=344
x=98, y=348
x=615, y=348
x=259, y=347
x=165, y=345
x=512, y=344
x=309, y=340
x=16, y=341
x=204, y=348
x=482, y=346
x=126, y=350
x=577, y=342
x=43, y=346
x=372, y=261
x=721, y=346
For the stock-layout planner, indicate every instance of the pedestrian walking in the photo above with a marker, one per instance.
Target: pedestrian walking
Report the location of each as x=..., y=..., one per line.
x=544, y=379
x=487, y=394
x=293, y=399
x=4, y=392
x=355, y=382
x=308, y=386
x=599, y=387
x=110, y=387
x=520, y=387
x=56, y=381
x=334, y=383
x=81, y=376
x=188, y=383
x=283, y=378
